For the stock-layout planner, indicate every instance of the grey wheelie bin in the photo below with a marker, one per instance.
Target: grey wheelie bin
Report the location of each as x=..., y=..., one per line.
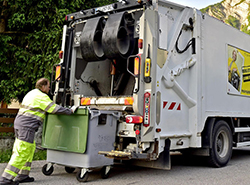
x=75, y=140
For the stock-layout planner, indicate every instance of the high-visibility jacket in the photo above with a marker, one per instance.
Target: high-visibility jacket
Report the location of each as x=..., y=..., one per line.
x=33, y=109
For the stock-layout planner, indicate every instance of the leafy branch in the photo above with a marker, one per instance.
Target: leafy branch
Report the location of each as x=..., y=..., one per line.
x=31, y=40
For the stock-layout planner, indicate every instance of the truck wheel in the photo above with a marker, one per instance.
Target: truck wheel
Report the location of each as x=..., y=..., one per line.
x=47, y=171
x=222, y=144
x=69, y=169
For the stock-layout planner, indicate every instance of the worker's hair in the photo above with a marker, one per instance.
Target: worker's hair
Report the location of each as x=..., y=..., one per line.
x=41, y=82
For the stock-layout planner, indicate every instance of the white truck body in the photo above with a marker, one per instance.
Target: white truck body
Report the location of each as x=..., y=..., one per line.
x=190, y=91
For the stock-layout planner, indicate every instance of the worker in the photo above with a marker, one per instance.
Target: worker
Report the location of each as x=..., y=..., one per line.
x=233, y=72
x=31, y=114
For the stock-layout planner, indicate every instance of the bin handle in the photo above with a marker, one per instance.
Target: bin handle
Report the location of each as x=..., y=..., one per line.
x=94, y=113
x=116, y=114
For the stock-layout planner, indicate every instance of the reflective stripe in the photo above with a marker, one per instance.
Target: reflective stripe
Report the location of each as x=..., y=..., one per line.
x=56, y=109
x=24, y=172
x=30, y=115
x=26, y=167
x=32, y=109
x=28, y=164
x=12, y=168
x=8, y=176
x=48, y=107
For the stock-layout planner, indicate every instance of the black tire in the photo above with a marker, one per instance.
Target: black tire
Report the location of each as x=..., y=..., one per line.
x=222, y=144
x=84, y=178
x=69, y=169
x=104, y=175
x=49, y=172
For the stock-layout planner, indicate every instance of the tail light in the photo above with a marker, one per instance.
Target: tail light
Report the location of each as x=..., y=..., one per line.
x=134, y=119
x=136, y=66
x=60, y=54
x=140, y=43
x=58, y=72
x=146, y=109
x=158, y=130
x=137, y=132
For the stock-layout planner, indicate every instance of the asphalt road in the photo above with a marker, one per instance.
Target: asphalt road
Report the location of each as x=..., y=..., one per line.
x=190, y=172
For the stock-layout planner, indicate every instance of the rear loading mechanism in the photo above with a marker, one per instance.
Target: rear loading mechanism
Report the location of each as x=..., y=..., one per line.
x=102, y=45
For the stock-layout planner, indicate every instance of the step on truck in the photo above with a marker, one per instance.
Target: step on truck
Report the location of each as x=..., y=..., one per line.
x=151, y=78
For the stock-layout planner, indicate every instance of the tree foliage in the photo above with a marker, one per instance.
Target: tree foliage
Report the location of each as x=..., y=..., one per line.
x=233, y=22
x=246, y=27
x=30, y=44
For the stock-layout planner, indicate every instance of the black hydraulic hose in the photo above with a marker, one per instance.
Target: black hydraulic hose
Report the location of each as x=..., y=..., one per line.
x=69, y=49
x=187, y=46
x=191, y=41
x=93, y=84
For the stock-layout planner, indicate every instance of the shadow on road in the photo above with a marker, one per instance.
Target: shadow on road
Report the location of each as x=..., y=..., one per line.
x=184, y=160
x=239, y=154
x=181, y=163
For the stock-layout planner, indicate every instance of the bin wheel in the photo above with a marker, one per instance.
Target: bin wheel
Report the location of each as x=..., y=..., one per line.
x=82, y=175
x=105, y=171
x=47, y=169
x=69, y=169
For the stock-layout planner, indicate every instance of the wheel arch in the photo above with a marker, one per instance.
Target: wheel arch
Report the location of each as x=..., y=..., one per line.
x=208, y=129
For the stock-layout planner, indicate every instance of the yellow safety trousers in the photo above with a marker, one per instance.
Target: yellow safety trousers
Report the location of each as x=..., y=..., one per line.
x=21, y=159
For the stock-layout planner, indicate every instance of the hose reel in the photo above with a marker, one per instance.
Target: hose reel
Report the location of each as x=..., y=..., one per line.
x=118, y=38
x=91, y=40
x=112, y=38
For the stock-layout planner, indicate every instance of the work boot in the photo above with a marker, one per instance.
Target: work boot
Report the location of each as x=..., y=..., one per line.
x=4, y=181
x=24, y=178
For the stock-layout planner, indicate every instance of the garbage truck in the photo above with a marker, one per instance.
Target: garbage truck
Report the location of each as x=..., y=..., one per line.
x=150, y=77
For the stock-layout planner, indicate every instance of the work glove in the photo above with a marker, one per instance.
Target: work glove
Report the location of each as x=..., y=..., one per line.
x=74, y=108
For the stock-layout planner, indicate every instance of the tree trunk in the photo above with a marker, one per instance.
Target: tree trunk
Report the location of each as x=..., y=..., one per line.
x=3, y=17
